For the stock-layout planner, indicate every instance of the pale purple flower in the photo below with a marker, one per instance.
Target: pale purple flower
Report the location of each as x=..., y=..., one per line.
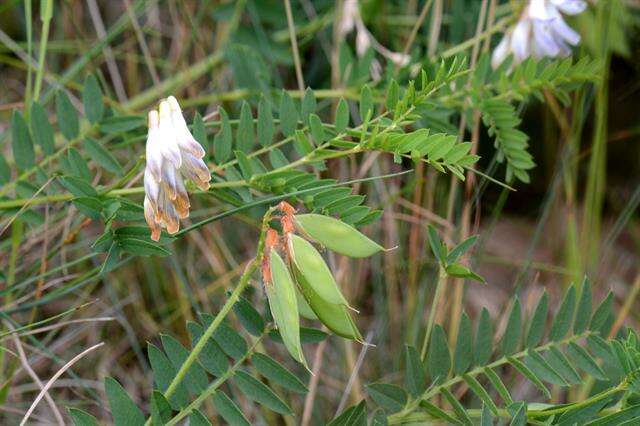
x=350, y=20
x=172, y=155
x=540, y=31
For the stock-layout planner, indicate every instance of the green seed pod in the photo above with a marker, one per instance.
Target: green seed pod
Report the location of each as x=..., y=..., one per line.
x=315, y=271
x=336, y=317
x=337, y=235
x=284, y=307
x=303, y=307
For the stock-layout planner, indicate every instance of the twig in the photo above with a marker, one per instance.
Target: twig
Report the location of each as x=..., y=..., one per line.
x=34, y=376
x=59, y=373
x=118, y=85
x=354, y=373
x=143, y=43
x=313, y=384
x=294, y=45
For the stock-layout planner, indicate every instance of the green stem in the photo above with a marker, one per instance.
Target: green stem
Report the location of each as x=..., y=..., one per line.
x=434, y=390
x=503, y=23
x=442, y=277
x=208, y=333
x=585, y=403
x=46, y=12
x=215, y=385
x=27, y=17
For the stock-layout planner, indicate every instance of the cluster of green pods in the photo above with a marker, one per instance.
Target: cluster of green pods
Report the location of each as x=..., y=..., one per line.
x=303, y=284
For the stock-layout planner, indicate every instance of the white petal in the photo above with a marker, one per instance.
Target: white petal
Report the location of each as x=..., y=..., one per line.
x=169, y=181
x=564, y=32
x=181, y=203
x=149, y=216
x=375, y=70
x=570, y=7
x=185, y=139
x=151, y=186
x=153, y=147
x=362, y=42
x=540, y=9
x=520, y=40
x=195, y=166
x=398, y=58
x=501, y=51
x=545, y=45
x=169, y=141
x=349, y=15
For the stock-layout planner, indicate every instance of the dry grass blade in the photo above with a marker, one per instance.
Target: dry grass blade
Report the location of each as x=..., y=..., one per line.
x=51, y=381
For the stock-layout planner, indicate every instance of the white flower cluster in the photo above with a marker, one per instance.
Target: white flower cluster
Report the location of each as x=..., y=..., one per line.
x=541, y=31
x=351, y=19
x=172, y=154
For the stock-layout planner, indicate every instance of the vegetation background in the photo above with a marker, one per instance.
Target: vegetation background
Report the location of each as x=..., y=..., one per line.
x=576, y=214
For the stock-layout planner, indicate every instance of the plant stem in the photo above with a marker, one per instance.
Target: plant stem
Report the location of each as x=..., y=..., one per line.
x=294, y=46
x=442, y=277
x=208, y=333
x=28, y=14
x=46, y=11
x=434, y=390
x=209, y=391
x=584, y=403
x=596, y=177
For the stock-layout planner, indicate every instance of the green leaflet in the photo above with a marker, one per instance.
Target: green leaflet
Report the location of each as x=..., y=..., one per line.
x=564, y=316
x=317, y=131
x=199, y=132
x=102, y=156
x=538, y=321
x=309, y=105
x=21, y=142
x=196, y=418
x=484, y=339
x=92, y=99
x=228, y=410
x=366, y=103
x=390, y=397
x=212, y=358
x=163, y=374
x=275, y=372
x=342, y=116
x=463, y=355
x=583, y=311
x=266, y=128
x=223, y=139
x=352, y=416
x=511, y=337
x=124, y=411
x=67, y=116
x=250, y=318
x=160, y=409
x=415, y=378
x=257, y=391
x=288, y=115
x=41, y=129
x=82, y=418
x=477, y=388
x=196, y=378
x=438, y=357
x=245, y=136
